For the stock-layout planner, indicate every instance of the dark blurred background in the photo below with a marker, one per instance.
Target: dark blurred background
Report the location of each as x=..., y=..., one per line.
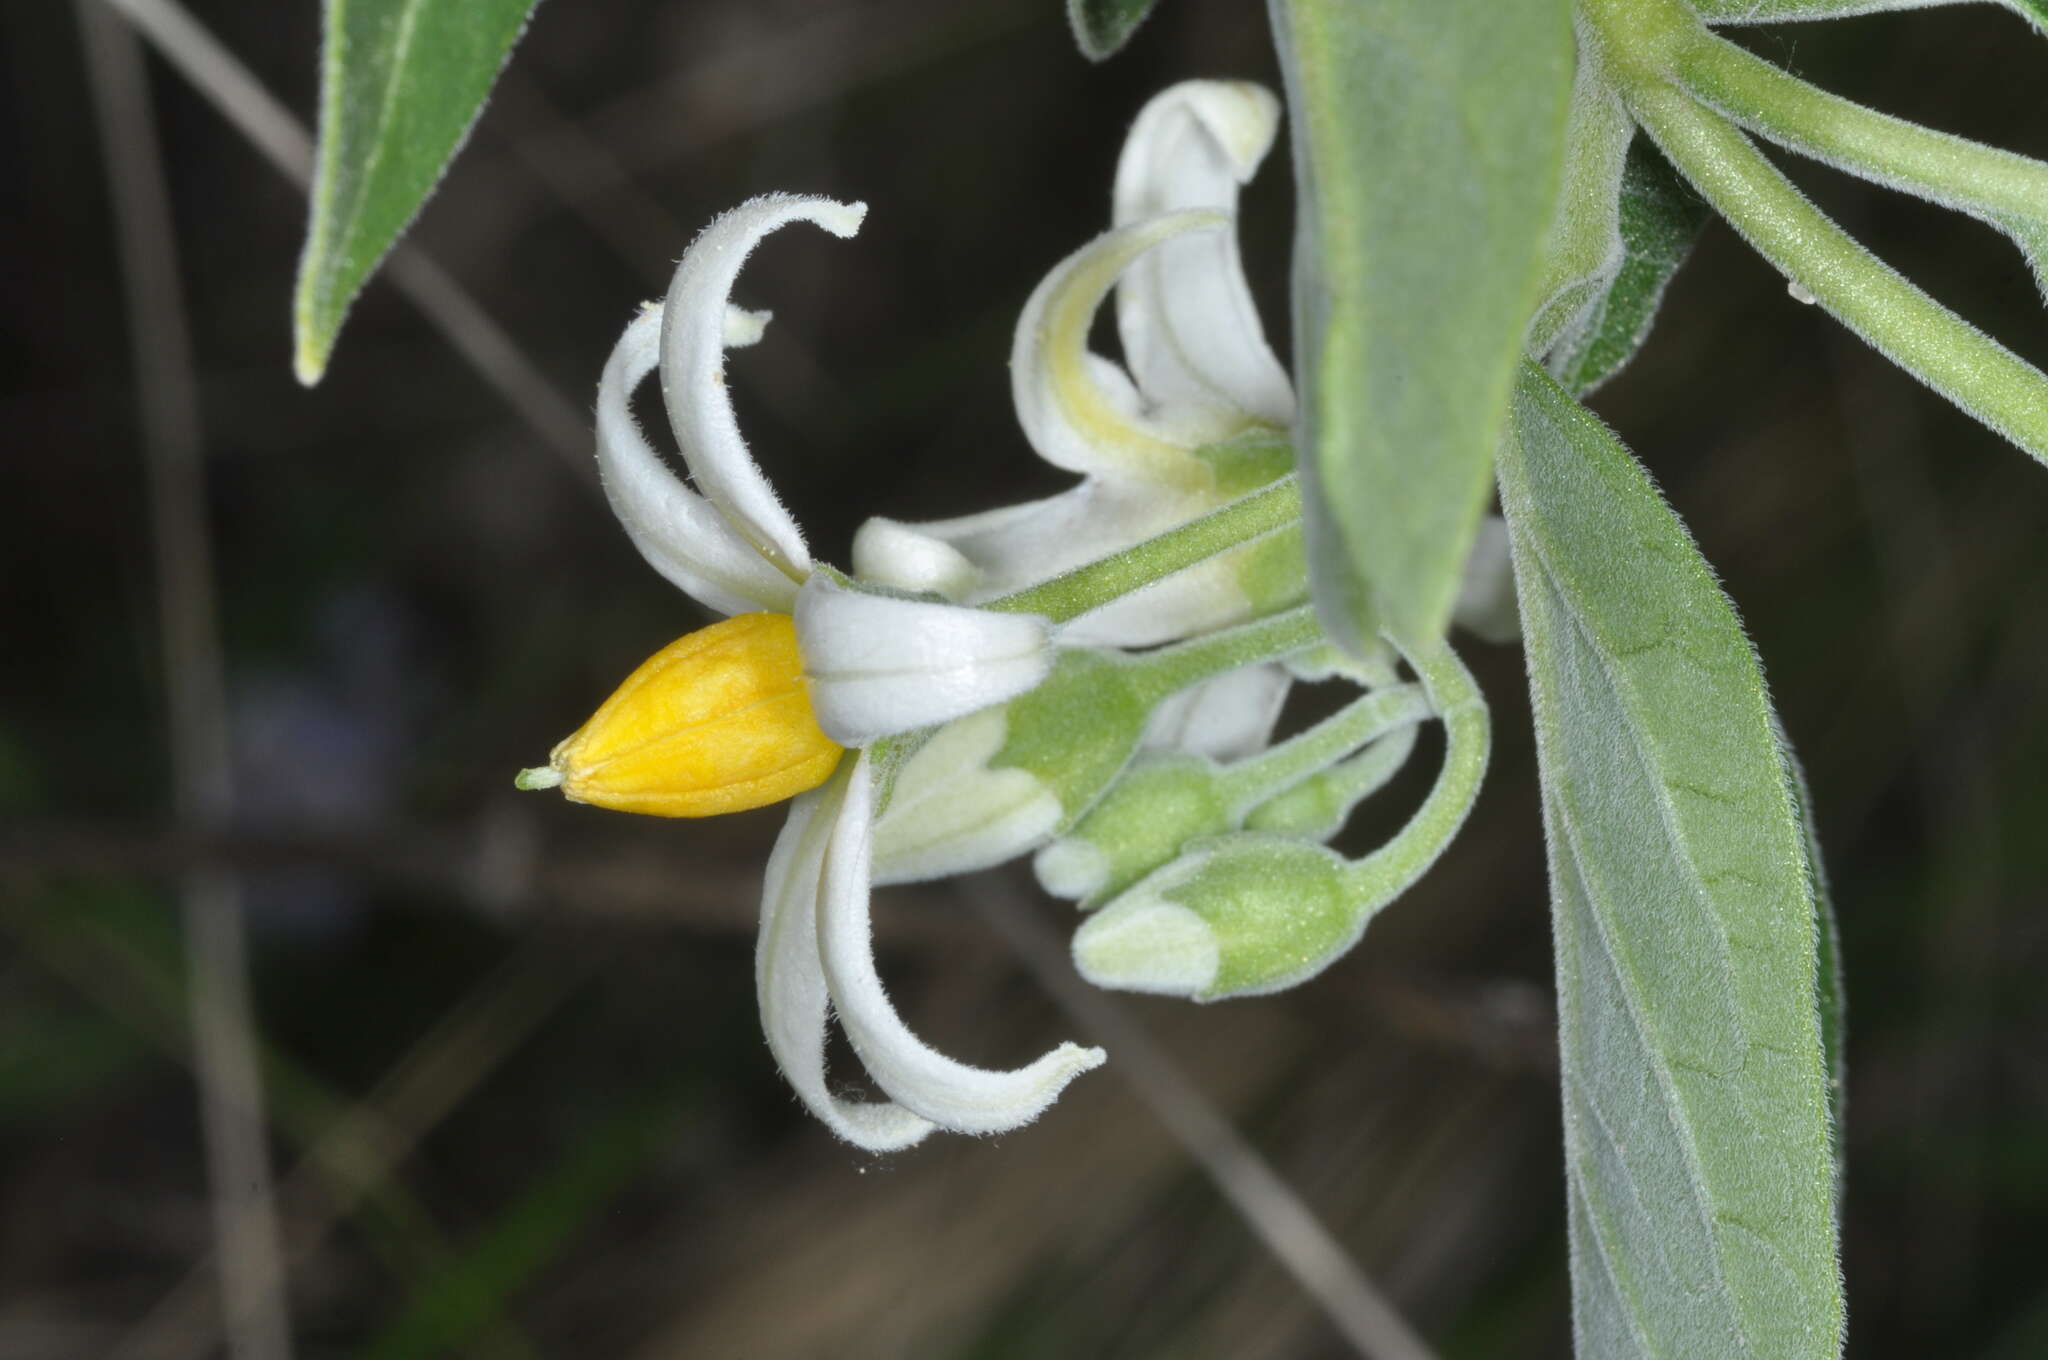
x=516, y=1097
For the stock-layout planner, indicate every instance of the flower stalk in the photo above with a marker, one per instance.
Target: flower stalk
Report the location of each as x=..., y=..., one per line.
x=1665, y=63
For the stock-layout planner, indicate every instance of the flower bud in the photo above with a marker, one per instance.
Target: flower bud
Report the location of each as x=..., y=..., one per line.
x=996, y=784
x=718, y=721
x=1137, y=826
x=1235, y=916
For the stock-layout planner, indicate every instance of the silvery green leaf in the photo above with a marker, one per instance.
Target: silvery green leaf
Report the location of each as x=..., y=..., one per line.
x=1778, y=11
x=1699, y=1157
x=1102, y=27
x=1834, y=1005
x=401, y=82
x=1661, y=218
x=1428, y=142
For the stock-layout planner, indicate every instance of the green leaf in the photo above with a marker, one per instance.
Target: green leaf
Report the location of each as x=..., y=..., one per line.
x=1700, y=1166
x=401, y=83
x=1661, y=218
x=1428, y=141
x=1102, y=27
x=1833, y=996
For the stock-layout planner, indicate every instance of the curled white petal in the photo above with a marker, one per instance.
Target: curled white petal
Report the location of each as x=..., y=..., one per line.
x=1225, y=718
x=877, y=665
x=1190, y=330
x=693, y=342
x=681, y=534
x=1076, y=417
x=789, y=979
x=951, y=1094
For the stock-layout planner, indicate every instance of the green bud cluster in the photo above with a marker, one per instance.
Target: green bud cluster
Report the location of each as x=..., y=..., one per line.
x=1212, y=879
x=1168, y=801
x=1205, y=878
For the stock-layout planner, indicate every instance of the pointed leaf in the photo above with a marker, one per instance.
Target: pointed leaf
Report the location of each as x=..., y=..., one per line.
x=1102, y=27
x=401, y=82
x=1428, y=139
x=1700, y=1166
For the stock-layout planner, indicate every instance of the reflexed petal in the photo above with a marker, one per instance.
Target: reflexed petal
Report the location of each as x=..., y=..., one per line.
x=878, y=665
x=1225, y=718
x=790, y=980
x=1190, y=330
x=1075, y=417
x=950, y=1094
x=693, y=341
x=682, y=535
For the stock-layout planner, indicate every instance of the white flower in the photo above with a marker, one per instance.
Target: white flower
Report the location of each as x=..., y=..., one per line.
x=873, y=665
x=1200, y=374
x=736, y=549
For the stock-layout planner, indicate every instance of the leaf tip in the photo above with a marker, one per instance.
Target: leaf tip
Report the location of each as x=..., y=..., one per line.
x=1102, y=27
x=309, y=358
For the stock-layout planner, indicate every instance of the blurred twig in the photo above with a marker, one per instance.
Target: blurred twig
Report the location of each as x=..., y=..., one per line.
x=228, y=85
x=1289, y=1229
x=256, y=1319
x=1496, y=1023
x=361, y=1151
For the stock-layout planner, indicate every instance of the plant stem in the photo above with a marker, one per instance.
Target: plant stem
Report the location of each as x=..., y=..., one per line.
x=1643, y=41
x=1076, y=592
x=1160, y=673
x=1248, y=783
x=1967, y=176
x=1468, y=737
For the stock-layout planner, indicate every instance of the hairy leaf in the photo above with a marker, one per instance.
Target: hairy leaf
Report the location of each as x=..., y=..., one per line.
x=1102, y=27
x=1661, y=218
x=401, y=83
x=1700, y=1166
x=1428, y=140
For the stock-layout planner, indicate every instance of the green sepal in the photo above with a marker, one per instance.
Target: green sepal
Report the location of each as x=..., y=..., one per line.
x=1079, y=728
x=1159, y=805
x=1238, y=915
